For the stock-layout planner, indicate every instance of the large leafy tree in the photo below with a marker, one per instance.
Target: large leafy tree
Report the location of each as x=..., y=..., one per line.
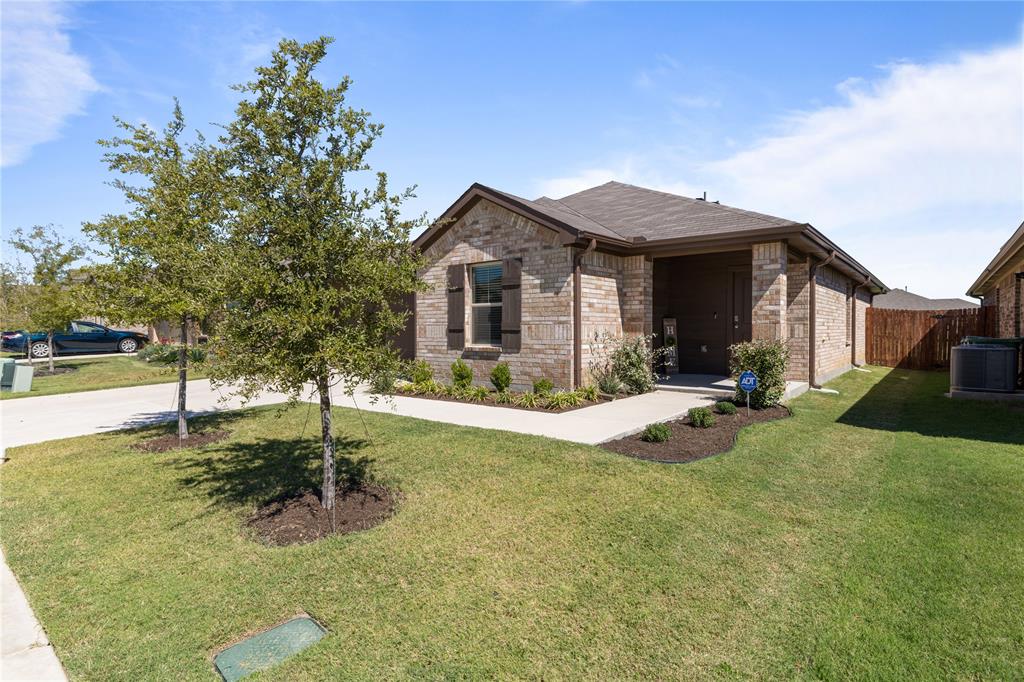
x=15, y=297
x=164, y=254
x=319, y=253
x=53, y=300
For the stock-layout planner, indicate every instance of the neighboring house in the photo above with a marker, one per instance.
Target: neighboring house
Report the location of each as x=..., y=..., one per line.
x=901, y=299
x=1001, y=283
x=533, y=283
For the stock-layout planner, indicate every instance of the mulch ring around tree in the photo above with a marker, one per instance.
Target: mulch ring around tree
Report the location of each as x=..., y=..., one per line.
x=169, y=441
x=299, y=518
x=59, y=369
x=689, y=443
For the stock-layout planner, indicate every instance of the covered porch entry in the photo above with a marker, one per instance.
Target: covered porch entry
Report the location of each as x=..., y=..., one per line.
x=710, y=298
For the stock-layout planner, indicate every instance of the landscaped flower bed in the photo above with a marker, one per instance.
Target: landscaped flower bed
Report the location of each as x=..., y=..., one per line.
x=686, y=441
x=544, y=401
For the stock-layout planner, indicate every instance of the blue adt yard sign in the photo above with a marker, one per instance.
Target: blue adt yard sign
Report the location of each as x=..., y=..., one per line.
x=748, y=382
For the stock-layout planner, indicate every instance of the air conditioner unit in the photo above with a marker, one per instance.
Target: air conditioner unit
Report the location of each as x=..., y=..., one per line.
x=983, y=368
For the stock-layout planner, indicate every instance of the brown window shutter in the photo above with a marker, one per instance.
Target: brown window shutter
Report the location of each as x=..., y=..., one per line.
x=511, y=305
x=456, y=307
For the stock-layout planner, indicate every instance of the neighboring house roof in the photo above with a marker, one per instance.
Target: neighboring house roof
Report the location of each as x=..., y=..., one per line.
x=1000, y=265
x=900, y=299
x=630, y=220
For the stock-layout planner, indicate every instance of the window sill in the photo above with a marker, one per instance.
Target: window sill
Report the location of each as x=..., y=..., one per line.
x=482, y=349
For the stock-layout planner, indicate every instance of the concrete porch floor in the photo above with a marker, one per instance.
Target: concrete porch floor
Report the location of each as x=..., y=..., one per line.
x=716, y=385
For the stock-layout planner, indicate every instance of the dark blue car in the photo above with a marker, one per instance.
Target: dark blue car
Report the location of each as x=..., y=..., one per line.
x=82, y=337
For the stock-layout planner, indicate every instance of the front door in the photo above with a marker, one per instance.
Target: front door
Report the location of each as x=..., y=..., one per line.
x=740, y=307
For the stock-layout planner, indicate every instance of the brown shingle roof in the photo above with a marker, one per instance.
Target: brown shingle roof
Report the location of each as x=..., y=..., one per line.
x=900, y=299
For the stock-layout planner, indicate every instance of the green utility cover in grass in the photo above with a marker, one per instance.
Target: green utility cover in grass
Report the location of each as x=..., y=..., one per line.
x=268, y=648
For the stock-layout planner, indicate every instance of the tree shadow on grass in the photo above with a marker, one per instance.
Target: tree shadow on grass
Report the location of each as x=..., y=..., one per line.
x=914, y=401
x=254, y=472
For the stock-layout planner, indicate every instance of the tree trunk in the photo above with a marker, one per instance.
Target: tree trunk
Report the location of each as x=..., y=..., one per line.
x=324, y=389
x=182, y=383
x=49, y=345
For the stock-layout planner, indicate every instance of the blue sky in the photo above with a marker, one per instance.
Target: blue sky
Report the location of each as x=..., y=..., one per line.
x=894, y=128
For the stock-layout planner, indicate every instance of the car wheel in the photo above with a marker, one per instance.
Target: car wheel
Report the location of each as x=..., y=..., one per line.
x=128, y=345
x=40, y=349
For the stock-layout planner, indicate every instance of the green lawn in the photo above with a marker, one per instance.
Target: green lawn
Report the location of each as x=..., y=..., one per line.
x=877, y=534
x=102, y=371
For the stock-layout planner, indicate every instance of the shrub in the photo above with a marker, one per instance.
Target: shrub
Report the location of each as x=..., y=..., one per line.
x=725, y=407
x=563, y=400
x=462, y=374
x=631, y=359
x=421, y=372
x=608, y=383
x=527, y=400
x=543, y=386
x=589, y=393
x=501, y=377
x=656, y=433
x=167, y=354
x=477, y=394
x=504, y=398
x=768, y=361
x=701, y=417
x=428, y=387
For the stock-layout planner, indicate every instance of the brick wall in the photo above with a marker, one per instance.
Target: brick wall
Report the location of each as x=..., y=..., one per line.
x=616, y=301
x=832, y=335
x=863, y=302
x=486, y=233
x=1010, y=317
x=769, y=291
x=798, y=300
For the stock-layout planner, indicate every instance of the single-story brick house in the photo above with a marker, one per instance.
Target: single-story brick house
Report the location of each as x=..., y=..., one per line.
x=1001, y=285
x=533, y=283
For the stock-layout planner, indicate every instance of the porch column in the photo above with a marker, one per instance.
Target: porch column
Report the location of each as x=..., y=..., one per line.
x=769, y=294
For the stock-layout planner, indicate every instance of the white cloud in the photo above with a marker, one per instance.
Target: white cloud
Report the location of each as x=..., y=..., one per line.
x=44, y=81
x=919, y=173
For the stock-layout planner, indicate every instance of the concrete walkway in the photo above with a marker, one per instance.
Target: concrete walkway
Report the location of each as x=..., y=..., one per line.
x=25, y=652
x=590, y=425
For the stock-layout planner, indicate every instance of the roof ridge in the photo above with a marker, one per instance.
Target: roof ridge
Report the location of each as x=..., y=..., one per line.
x=764, y=217
x=572, y=210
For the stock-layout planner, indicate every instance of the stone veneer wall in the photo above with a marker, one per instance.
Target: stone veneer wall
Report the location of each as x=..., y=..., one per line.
x=617, y=301
x=770, y=289
x=798, y=300
x=1010, y=316
x=487, y=233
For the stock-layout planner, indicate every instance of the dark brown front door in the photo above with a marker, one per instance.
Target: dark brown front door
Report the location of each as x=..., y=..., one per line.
x=739, y=315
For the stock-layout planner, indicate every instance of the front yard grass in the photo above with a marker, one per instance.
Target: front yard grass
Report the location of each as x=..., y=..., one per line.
x=875, y=534
x=102, y=371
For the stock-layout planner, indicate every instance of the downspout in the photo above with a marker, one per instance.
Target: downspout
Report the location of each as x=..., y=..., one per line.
x=853, y=323
x=812, y=319
x=577, y=313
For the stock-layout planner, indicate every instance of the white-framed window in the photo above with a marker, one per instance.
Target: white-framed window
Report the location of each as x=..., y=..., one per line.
x=485, y=306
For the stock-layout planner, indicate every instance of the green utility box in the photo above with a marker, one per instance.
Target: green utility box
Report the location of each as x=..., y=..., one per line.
x=22, y=380
x=6, y=373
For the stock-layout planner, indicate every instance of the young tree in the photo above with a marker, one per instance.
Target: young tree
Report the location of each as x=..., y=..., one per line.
x=165, y=253
x=54, y=302
x=317, y=263
x=15, y=298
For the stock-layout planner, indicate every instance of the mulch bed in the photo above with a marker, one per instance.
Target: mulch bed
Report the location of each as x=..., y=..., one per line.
x=45, y=371
x=689, y=443
x=490, y=402
x=170, y=441
x=298, y=518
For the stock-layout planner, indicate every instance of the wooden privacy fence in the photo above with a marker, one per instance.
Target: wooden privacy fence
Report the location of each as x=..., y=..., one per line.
x=921, y=339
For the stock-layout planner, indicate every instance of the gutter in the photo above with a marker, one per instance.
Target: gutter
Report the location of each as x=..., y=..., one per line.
x=577, y=313
x=812, y=319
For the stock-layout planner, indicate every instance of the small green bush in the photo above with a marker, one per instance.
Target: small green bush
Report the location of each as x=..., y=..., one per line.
x=725, y=407
x=543, y=386
x=501, y=377
x=167, y=354
x=504, y=398
x=609, y=384
x=421, y=372
x=631, y=359
x=527, y=400
x=701, y=417
x=462, y=374
x=383, y=383
x=768, y=361
x=563, y=400
x=656, y=433
x=477, y=394
x=589, y=393
x=428, y=387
